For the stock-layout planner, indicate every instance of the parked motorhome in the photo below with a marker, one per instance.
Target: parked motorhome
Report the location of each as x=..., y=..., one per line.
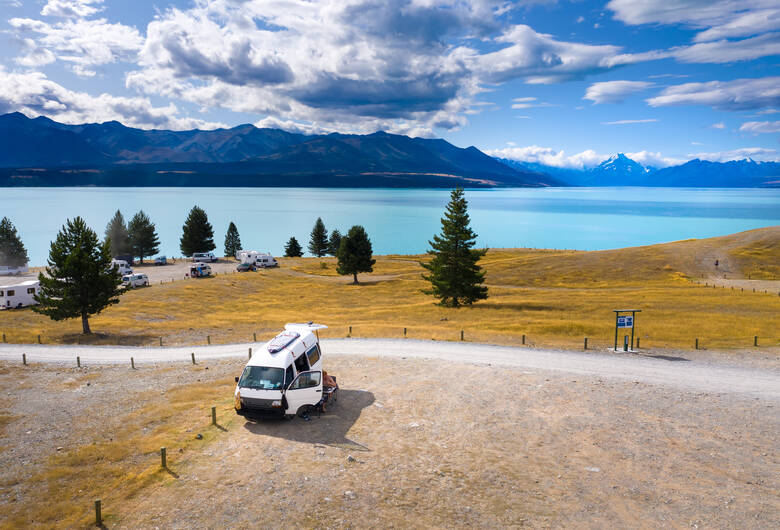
x=259, y=259
x=284, y=376
x=122, y=266
x=265, y=261
x=135, y=280
x=203, y=257
x=19, y=294
x=8, y=270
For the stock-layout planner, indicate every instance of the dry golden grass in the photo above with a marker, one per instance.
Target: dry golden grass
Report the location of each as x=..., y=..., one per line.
x=555, y=298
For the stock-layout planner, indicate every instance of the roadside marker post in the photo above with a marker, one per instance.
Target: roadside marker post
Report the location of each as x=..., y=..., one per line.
x=193, y=357
x=461, y=334
x=625, y=321
x=160, y=342
x=250, y=352
x=39, y=338
x=585, y=346
x=524, y=339
x=254, y=336
x=637, y=343
x=163, y=458
x=350, y=330
x=132, y=363
x=755, y=340
x=696, y=344
x=404, y=332
x=4, y=337
x=213, y=415
x=98, y=513
x=208, y=339
x=78, y=361
x=24, y=359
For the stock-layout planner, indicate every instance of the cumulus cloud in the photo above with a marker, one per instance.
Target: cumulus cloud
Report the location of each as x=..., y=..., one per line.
x=82, y=43
x=756, y=153
x=740, y=94
x=71, y=8
x=549, y=156
x=760, y=126
x=720, y=125
x=614, y=91
x=34, y=94
x=654, y=159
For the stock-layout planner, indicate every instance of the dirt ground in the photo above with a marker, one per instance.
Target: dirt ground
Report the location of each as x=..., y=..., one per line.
x=410, y=443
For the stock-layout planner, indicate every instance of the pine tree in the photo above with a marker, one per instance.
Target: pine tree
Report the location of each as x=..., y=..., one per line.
x=318, y=244
x=143, y=236
x=334, y=242
x=198, y=234
x=293, y=249
x=117, y=235
x=80, y=280
x=12, y=251
x=355, y=253
x=456, y=278
x=232, y=240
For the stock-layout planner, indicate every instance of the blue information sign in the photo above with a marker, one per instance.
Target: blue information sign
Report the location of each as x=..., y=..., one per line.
x=625, y=322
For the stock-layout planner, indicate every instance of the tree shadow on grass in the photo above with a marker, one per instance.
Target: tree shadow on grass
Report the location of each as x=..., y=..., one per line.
x=668, y=358
x=329, y=428
x=110, y=339
x=515, y=306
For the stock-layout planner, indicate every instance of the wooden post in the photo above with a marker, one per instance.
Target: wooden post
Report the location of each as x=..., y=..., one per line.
x=160, y=342
x=404, y=332
x=39, y=338
x=461, y=334
x=696, y=345
x=78, y=361
x=625, y=342
x=523, y=339
x=585, y=346
x=755, y=340
x=213, y=415
x=250, y=352
x=24, y=359
x=4, y=337
x=193, y=357
x=132, y=363
x=208, y=339
x=98, y=513
x=163, y=458
x=350, y=330
x=254, y=337
x=637, y=343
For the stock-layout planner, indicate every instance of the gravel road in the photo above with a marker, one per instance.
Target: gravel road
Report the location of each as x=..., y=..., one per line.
x=678, y=372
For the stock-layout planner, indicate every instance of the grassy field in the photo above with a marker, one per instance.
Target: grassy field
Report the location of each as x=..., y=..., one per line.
x=554, y=298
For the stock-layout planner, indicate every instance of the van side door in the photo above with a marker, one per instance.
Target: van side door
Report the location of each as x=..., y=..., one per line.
x=305, y=390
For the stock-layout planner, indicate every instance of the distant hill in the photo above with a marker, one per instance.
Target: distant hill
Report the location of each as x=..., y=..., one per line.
x=620, y=170
x=42, y=152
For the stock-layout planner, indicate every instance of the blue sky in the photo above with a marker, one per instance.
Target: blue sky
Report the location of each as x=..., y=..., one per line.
x=565, y=83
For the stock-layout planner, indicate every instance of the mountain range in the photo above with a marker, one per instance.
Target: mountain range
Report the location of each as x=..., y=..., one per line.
x=620, y=170
x=42, y=152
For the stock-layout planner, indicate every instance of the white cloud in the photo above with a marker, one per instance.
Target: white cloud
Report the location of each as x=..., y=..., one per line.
x=740, y=94
x=761, y=126
x=756, y=153
x=726, y=51
x=651, y=159
x=628, y=122
x=743, y=25
x=80, y=42
x=720, y=125
x=71, y=8
x=549, y=156
x=528, y=103
x=34, y=94
x=614, y=91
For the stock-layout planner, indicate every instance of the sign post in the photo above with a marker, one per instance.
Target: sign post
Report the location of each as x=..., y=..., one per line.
x=625, y=321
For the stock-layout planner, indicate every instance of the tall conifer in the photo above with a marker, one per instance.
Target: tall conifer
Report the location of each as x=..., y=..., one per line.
x=232, y=240
x=197, y=233
x=143, y=236
x=117, y=235
x=318, y=244
x=456, y=278
x=12, y=251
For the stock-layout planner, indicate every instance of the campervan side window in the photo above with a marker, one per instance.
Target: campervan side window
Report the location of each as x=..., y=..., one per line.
x=11, y=292
x=309, y=380
x=300, y=364
x=313, y=355
x=289, y=376
x=31, y=290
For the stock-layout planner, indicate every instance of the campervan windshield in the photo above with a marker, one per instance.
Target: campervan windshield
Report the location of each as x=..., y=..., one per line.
x=262, y=378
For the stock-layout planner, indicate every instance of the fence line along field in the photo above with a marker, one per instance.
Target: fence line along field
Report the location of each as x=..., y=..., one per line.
x=545, y=297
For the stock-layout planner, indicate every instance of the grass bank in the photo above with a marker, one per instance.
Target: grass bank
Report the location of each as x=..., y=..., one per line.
x=554, y=298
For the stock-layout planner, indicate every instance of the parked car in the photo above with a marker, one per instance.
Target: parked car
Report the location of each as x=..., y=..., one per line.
x=160, y=260
x=135, y=280
x=202, y=257
x=246, y=267
x=200, y=270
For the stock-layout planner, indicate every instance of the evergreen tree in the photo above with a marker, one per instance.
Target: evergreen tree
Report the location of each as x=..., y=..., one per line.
x=79, y=279
x=232, y=240
x=334, y=242
x=12, y=251
x=293, y=249
x=355, y=253
x=318, y=244
x=117, y=235
x=455, y=277
x=143, y=236
x=198, y=235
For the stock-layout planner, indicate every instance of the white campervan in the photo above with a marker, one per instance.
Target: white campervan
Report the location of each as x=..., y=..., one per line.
x=19, y=294
x=284, y=377
x=258, y=259
x=122, y=266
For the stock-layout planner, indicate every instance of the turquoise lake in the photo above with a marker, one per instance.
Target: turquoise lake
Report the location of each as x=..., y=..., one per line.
x=401, y=221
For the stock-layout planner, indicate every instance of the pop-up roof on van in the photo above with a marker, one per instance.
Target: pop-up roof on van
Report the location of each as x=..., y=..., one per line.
x=282, y=340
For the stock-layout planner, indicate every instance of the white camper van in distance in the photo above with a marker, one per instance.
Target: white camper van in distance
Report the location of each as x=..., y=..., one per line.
x=19, y=294
x=258, y=259
x=122, y=266
x=284, y=376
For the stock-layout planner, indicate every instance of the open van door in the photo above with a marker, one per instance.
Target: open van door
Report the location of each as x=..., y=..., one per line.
x=305, y=391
